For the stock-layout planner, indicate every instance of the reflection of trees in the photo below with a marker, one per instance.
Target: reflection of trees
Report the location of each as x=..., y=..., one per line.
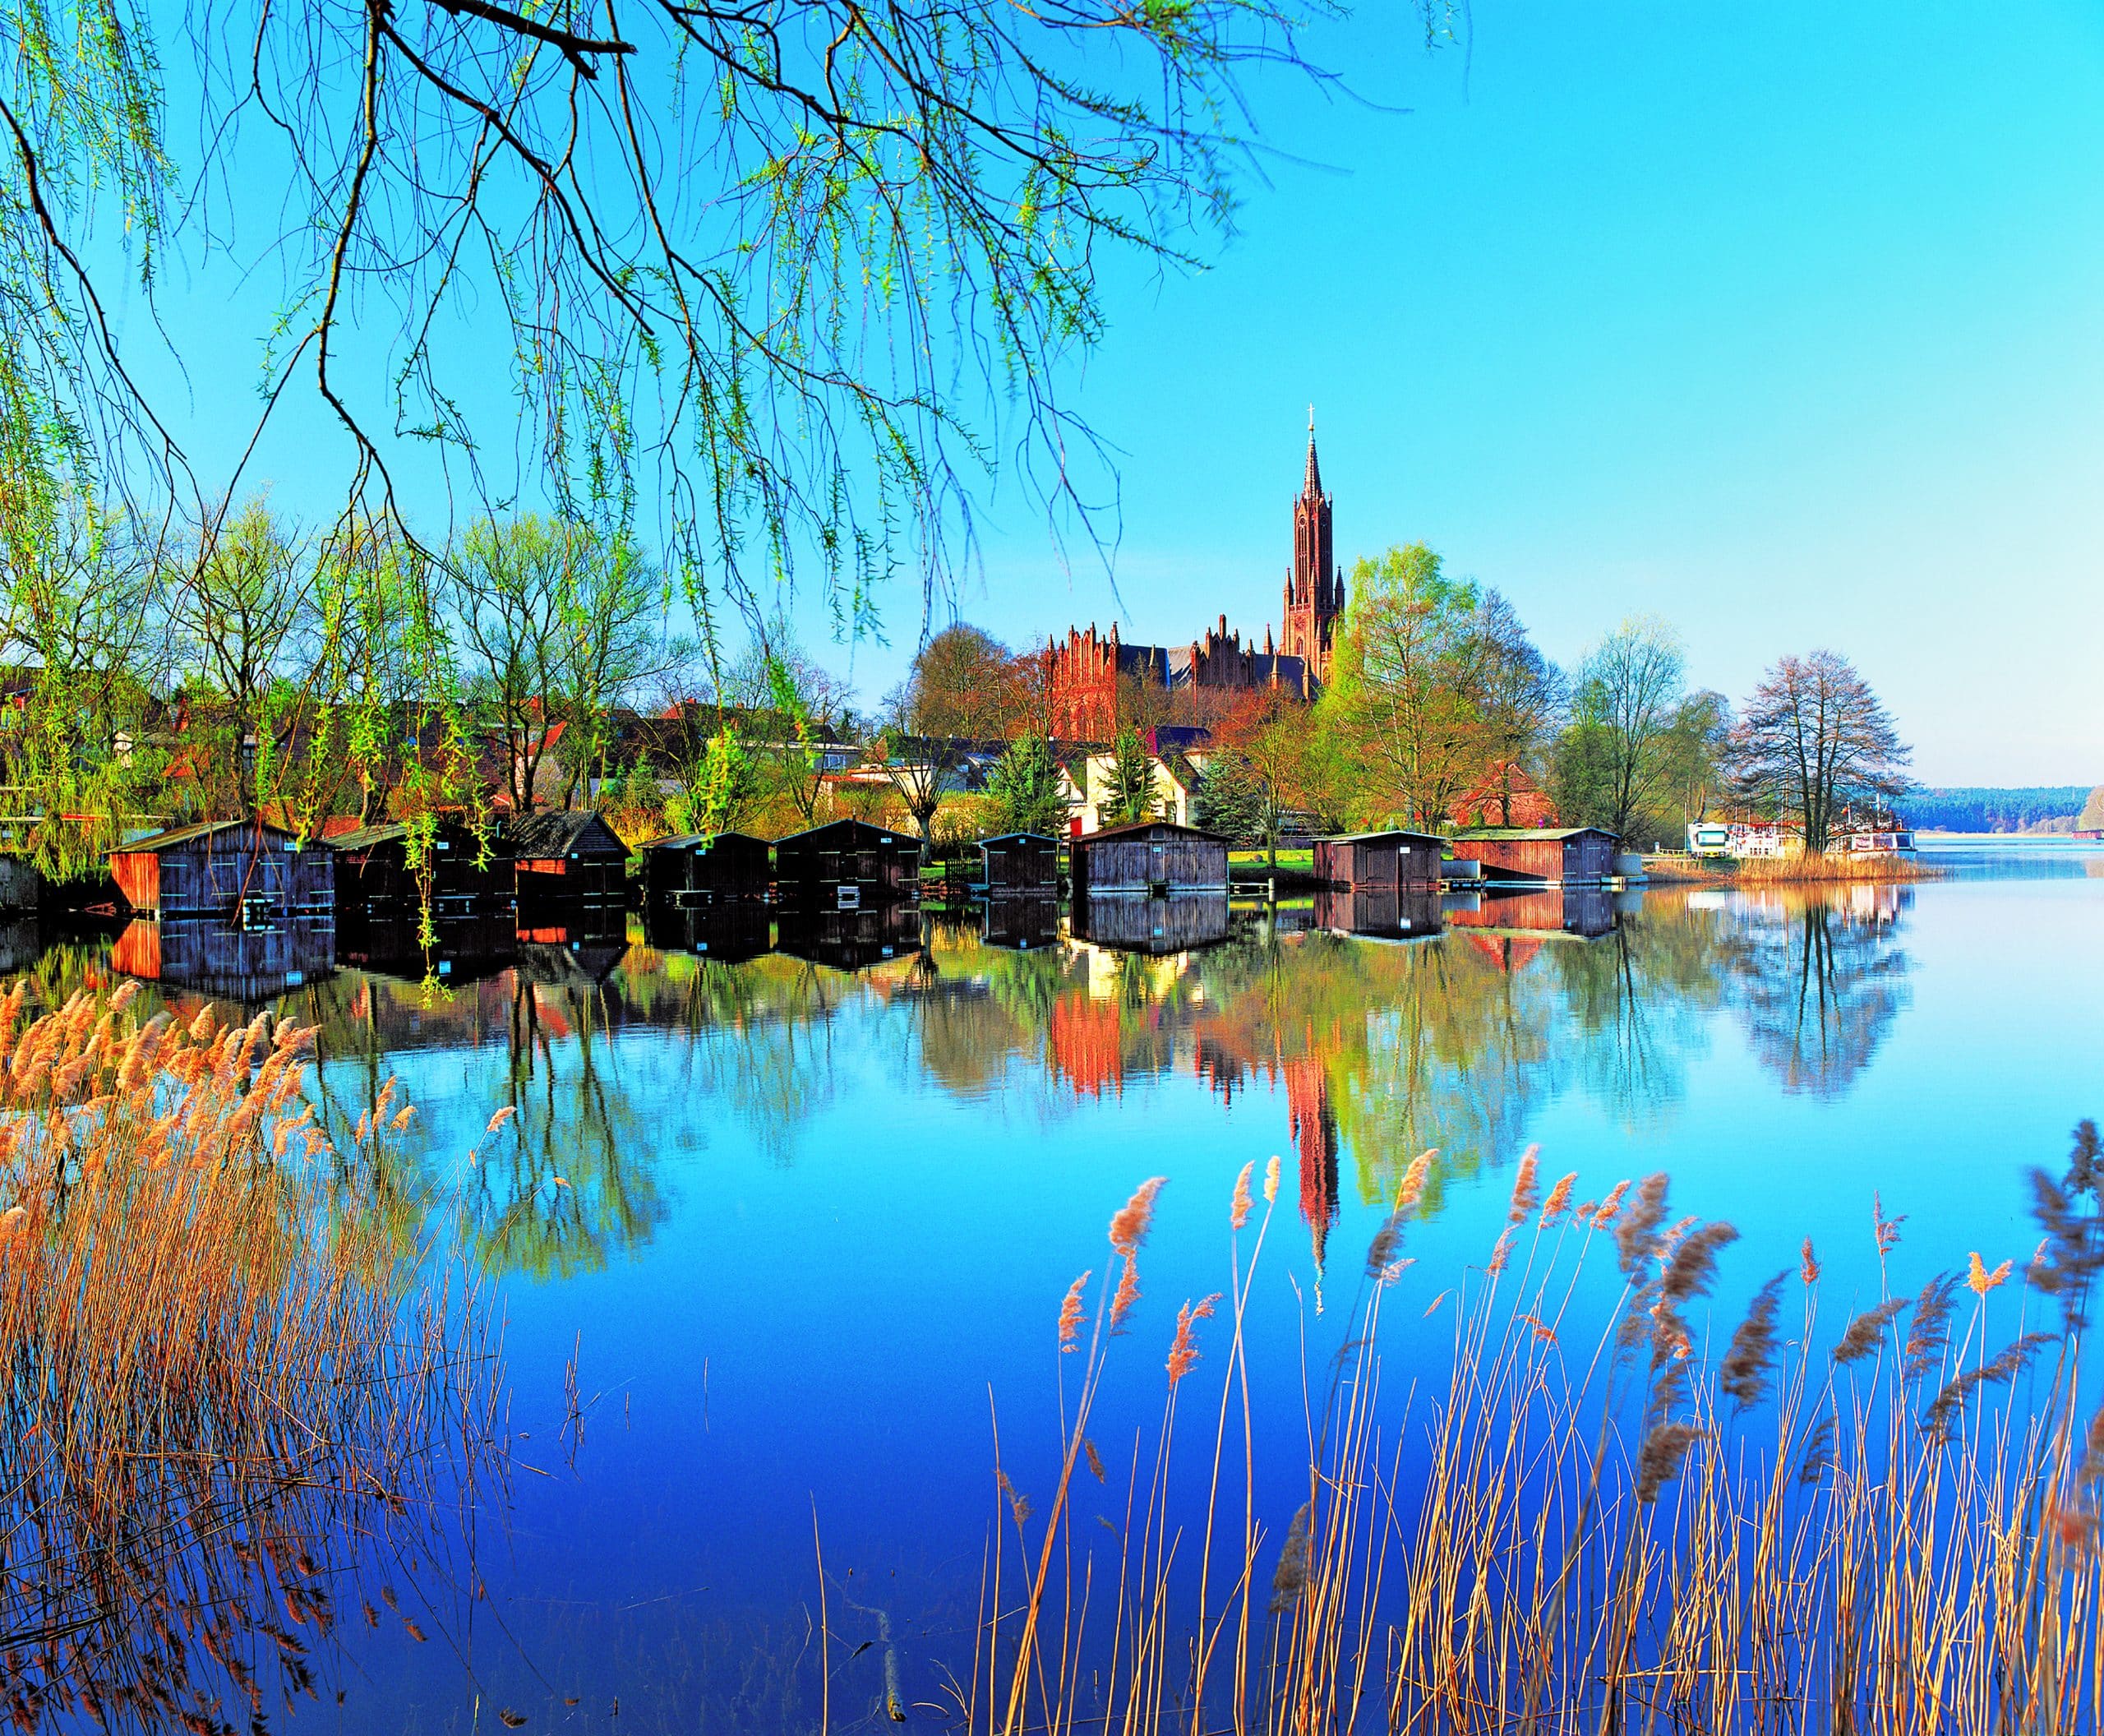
x=571, y=1178
x=1822, y=978
x=1641, y=998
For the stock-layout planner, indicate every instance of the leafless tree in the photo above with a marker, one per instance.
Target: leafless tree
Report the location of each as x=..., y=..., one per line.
x=1812, y=739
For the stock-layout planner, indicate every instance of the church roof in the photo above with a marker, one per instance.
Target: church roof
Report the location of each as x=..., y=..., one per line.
x=1314, y=485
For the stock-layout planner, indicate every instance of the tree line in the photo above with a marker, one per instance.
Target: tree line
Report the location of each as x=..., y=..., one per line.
x=1440, y=710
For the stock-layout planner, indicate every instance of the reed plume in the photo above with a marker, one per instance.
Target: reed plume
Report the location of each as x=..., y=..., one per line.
x=1659, y=1461
x=1271, y=1180
x=1980, y=1281
x=1559, y=1199
x=1808, y=1264
x=1526, y=1195
x=1748, y=1370
x=1928, y=1333
x=1636, y=1233
x=1865, y=1332
x=1130, y=1223
x=1070, y=1313
x=1693, y=1267
x=1238, y=1207
x=1289, y=1579
x=1611, y=1206
x=1183, y=1348
x=1412, y=1189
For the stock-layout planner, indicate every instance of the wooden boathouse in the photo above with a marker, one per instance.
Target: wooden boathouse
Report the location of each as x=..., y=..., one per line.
x=847, y=865
x=569, y=856
x=1375, y=860
x=701, y=869
x=240, y=874
x=377, y=880
x=1154, y=856
x=1025, y=863
x=1551, y=856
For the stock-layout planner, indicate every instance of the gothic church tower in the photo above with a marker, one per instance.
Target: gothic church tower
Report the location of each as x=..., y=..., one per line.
x=1315, y=588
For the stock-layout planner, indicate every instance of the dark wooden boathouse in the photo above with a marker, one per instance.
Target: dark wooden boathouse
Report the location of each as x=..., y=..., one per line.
x=1019, y=863
x=1554, y=855
x=1373, y=859
x=376, y=880
x=570, y=858
x=241, y=873
x=1155, y=856
x=847, y=865
x=701, y=869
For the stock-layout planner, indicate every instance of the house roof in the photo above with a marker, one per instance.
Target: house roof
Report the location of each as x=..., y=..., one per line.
x=702, y=840
x=564, y=832
x=364, y=838
x=1017, y=838
x=1132, y=827
x=1520, y=834
x=1371, y=838
x=883, y=834
x=394, y=832
x=177, y=836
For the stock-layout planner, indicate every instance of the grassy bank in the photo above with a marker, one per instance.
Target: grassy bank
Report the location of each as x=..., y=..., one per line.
x=1606, y=1519
x=1788, y=870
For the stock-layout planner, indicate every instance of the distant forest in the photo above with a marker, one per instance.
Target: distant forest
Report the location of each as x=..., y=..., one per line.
x=1995, y=810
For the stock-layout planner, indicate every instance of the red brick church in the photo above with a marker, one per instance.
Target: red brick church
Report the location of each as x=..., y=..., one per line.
x=1085, y=669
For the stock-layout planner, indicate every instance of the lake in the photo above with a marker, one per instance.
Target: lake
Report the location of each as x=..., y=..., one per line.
x=778, y=1249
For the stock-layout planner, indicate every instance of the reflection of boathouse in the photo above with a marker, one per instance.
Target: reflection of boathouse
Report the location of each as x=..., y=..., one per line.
x=1378, y=914
x=1379, y=861
x=729, y=932
x=728, y=867
x=1555, y=856
x=1546, y=913
x=1155, y=925
x=850, y=940
x=1020, y=921
x=464, y=947
x=219, y=959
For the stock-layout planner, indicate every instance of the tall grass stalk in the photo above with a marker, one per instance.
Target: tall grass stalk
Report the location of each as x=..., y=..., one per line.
x=1653, y=1522
x=227, y=1390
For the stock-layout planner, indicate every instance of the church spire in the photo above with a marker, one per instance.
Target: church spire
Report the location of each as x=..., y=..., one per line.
x=1313, y=490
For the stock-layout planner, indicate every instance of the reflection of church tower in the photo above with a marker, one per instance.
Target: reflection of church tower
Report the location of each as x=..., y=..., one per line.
x=1315, y=1136
x=1315, y=588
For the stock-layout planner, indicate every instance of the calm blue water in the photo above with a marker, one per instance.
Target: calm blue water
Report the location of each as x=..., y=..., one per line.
x=812, y=1229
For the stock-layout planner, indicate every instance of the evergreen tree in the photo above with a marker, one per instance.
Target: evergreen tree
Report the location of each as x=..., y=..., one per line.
x=1234, y=800
x=1131, y=795
x=1025, y=787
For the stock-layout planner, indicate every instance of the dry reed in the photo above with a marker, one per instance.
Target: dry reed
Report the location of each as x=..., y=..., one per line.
x=226, y=1388
x=1602, y=1536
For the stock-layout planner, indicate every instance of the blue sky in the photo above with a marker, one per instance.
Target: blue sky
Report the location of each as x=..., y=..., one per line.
x=1784, y=323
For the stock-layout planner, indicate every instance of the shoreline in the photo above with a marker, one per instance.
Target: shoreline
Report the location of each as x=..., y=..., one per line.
x=1846, y=870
